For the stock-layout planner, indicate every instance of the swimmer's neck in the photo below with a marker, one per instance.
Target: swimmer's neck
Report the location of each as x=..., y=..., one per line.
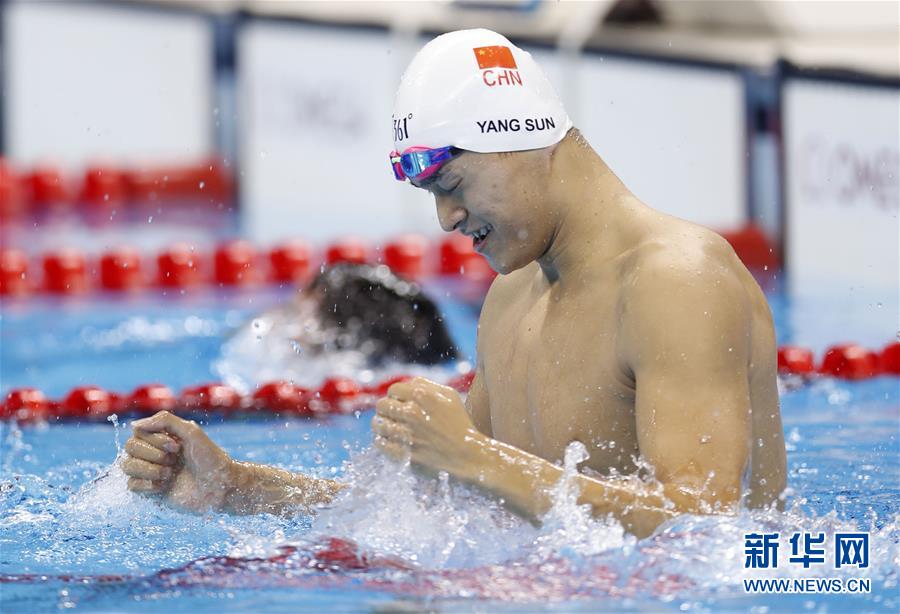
x=595, y=215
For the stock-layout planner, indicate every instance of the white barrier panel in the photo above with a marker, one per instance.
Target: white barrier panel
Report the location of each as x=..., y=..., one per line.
x=86, y=82
x=315, y=133
x=842, y=165
x=674, y=134
x=314, y=98
x=842, y=201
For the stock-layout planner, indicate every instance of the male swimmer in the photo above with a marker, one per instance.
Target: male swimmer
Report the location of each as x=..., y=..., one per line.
x=638, y=334
x=347, y=319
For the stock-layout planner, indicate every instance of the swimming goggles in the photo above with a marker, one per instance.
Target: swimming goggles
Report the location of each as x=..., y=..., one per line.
x=419, y=162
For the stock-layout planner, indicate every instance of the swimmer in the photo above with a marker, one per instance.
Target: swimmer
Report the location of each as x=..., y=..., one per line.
x=636, y=333
x=348, y=318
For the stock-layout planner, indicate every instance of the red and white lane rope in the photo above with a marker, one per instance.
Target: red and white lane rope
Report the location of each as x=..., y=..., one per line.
x=333, y=396
x=341, y=395
x=239, y=264
x=103, y=189
x=847, y=361
x=233, y=264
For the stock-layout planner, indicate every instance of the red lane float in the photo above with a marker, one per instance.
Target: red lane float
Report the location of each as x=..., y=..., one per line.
x=151, y=398
x=13, y=272
x=334, y=396
x=797, y=360
x=46, y=187
x=103, y=189
x=204, y=183
x=455, y=252
x=849, y=361
x=216, y=397
x=458, y=257
x=889, y=359
x=234, y=263
x=12, y=193
x=88, y=402
x=25, y=404
x=65, y=272
x=120, y=269
x=349, y=249
x=283, y=397
x=290, y=262
x=179, y=267
x=406, y=255
x=753, y=247
x=338, y=394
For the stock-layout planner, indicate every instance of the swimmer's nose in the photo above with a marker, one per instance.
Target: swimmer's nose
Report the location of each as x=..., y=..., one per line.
x=449, y=212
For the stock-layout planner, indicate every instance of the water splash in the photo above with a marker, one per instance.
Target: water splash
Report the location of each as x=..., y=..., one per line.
x=571, y=529
x=114, y=420
x=390, y=510
x=268, y=350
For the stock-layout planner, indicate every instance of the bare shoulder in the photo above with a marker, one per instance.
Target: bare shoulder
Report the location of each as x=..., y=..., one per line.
x=687, y=256
x=682, y=277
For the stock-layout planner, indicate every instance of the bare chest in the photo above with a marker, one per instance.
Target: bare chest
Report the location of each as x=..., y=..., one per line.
x=553, y=377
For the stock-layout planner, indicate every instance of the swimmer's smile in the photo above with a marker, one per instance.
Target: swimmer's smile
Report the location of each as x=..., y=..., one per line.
x=480, y=236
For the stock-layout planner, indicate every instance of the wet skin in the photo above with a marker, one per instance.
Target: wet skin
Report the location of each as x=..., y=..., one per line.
x=636, y=333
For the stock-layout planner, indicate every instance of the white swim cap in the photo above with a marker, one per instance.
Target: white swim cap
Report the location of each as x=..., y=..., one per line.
x=475, y=90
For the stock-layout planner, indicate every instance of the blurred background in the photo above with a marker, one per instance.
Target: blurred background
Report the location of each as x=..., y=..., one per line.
x=143, y=123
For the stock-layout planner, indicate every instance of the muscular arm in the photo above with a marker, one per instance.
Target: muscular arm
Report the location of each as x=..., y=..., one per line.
x=257, y=489
x=176, y=459
x=685, y=337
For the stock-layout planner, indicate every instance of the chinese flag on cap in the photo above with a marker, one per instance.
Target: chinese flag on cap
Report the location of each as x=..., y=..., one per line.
x=496, y=56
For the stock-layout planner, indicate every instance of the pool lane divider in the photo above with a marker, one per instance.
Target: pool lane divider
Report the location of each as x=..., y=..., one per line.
x=279, y=398
x=239, y=264
x=234, y=264
x=338, y=395
x=104, y=190
x=849, y=361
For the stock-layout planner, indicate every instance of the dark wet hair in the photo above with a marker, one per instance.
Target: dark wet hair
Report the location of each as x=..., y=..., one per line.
x=381, y=314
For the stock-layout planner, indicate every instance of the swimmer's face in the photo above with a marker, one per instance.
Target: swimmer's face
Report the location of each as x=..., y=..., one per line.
x=507, y=192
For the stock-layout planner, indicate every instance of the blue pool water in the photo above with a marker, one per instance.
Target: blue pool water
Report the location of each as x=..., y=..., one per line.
x=71, y=536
